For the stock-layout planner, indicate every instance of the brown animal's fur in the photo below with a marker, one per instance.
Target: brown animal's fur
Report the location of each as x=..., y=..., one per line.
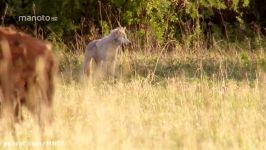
x=26, y=75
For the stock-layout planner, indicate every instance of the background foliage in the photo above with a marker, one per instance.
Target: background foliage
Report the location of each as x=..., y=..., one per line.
x=153, y=21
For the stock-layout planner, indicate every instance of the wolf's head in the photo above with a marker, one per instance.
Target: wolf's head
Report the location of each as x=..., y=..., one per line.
x=120, y=35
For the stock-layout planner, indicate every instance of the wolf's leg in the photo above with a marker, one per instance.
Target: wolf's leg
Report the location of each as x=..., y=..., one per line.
x=113, y=68
x=105, y=68
x=87, y=60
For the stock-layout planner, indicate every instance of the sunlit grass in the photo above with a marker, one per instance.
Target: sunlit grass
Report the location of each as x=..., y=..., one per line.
x=138, y=115
x=164, y=112
x=178, y=115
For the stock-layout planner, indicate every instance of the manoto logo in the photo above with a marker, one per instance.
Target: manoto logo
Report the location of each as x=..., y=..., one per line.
x=37, y=18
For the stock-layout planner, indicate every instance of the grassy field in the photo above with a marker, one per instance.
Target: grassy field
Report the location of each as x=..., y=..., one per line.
x=180, y=100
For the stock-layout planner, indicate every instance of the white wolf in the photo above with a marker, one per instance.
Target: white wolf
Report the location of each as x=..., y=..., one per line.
x=104, y=51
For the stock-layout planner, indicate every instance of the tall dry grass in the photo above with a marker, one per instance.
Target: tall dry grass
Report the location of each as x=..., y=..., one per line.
x=180, y=100
x=136, y=114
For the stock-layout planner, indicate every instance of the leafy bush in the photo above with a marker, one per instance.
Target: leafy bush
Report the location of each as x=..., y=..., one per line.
x=190, y=21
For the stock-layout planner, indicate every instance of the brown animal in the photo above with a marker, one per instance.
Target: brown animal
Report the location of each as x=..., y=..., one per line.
x=26, y=75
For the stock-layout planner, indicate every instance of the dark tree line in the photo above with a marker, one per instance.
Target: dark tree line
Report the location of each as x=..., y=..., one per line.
x=160, y=19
